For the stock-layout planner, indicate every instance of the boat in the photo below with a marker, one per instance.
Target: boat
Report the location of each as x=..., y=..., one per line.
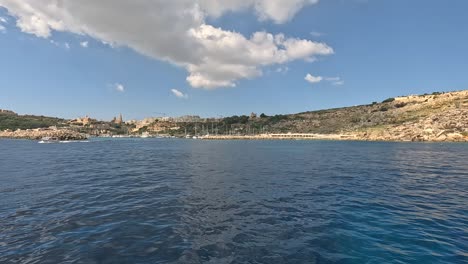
x=48, y=140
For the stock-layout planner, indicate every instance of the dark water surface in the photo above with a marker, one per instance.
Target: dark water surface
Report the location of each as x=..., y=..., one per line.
x=190, y=201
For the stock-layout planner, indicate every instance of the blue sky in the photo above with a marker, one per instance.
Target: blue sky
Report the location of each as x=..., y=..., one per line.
x=380, y=48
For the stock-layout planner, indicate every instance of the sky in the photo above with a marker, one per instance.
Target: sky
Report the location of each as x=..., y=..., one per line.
x=218, y=58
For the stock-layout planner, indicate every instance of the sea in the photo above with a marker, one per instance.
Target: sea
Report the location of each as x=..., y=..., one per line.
x=196, y=201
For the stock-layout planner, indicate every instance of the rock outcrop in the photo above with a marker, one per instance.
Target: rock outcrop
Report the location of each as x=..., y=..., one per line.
x=37, y=134
x=434, y=117
x=441, y=117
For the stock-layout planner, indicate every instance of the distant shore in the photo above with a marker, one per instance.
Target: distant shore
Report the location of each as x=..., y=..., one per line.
x=436, y=117
x=64, y=134
x=287, y=136
x=453, y=137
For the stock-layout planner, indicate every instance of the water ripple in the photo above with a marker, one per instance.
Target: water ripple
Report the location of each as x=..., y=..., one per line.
x=185, y=201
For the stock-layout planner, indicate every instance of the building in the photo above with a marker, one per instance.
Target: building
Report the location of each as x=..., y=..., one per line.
x=188, y=119
x=3, y=111
x=118, y=120
x=84, y=121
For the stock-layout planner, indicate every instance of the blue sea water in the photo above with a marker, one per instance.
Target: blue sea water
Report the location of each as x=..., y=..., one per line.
x=192, y=201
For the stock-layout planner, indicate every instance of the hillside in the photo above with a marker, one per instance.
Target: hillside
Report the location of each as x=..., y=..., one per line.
x=430, y=117
x=13, y=121
x=437, y=116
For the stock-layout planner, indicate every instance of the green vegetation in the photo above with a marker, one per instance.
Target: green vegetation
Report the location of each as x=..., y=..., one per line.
x=277, y=118
x=236, y=119
x=388, y=100
x=13, y=121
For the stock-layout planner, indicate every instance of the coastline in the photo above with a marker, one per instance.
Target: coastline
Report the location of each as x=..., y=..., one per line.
x=339, y=137
x=74, y=136
x=38, y=134
x=437, y=117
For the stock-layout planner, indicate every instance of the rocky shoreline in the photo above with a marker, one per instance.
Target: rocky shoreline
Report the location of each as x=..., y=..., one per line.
x=427, y=136
x=365, y=136
x=37, y=134
x=382, y=135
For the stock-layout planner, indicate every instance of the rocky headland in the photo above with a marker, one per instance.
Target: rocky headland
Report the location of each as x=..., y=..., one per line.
x=432, y=117
x=438, y=117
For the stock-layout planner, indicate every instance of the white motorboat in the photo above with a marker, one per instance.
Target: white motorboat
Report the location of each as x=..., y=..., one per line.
x=47, y=140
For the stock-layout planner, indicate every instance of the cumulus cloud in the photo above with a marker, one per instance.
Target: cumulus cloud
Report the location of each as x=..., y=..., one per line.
x=279, y=11
x=2, y=22
x=84, y=44
x=119, y=87
x=179, y=94
x=177, y=32
x=313, y=79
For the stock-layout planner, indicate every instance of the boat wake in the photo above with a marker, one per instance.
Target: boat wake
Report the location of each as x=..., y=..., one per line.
x=74, y=141
x=62, y=141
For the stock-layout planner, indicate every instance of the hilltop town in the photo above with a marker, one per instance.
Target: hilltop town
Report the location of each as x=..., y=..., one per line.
x=429, y=117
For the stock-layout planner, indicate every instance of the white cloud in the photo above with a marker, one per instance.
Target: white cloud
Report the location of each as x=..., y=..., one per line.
x=316, y=34
x=84, y=44
x=119, y=87
x=284, y=69
x=177, y=32
x=179, y=94
x=278, y=11
x=64, y=45
x=332, y=79
x=335, y=80
x=3, y=20
x=229, y=56
x=313, y=79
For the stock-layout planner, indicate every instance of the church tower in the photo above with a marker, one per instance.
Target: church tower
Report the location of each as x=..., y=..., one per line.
x=119, y=120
